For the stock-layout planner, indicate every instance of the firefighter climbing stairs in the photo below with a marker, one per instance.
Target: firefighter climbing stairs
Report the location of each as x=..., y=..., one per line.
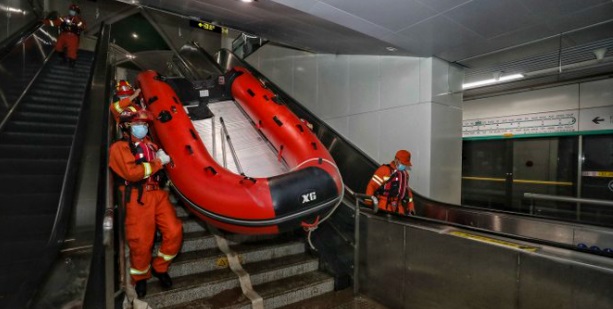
x=281, y=271
x=35, y=144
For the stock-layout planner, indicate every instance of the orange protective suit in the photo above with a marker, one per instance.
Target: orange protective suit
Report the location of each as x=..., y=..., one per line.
x=156, y=211
x=120, y=105
x=392, y=204
x=71, y=28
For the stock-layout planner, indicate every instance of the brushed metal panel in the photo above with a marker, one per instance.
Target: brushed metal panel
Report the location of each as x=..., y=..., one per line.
x=543, y=283
x=469, y=274
x=383, y=262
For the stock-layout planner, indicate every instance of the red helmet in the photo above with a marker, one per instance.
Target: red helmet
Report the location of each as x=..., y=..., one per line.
x=74, y=7
x=123, y=88
x=128, y=116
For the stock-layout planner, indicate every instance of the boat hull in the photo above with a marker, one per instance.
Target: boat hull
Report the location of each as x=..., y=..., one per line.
x=238, y=203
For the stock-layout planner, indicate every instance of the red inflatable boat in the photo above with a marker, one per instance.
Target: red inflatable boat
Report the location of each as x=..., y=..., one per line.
x=238, y=203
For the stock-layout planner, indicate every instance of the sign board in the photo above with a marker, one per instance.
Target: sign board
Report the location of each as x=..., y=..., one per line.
x=596, y=119
x=537, y=123
x=206, y=26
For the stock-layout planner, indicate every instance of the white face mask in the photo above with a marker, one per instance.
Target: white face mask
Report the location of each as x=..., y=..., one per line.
x=139, y=130
x=72, y=13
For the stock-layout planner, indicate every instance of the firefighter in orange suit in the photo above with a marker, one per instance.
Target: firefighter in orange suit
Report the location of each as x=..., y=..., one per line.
x=71, y=27
x=390, y=184
x=136, y=160
x=125, y=96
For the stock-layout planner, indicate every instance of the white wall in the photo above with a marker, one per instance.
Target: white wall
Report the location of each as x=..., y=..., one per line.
x=381, y=104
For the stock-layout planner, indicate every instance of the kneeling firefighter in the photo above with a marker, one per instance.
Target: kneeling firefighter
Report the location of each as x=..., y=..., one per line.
x=136, y=161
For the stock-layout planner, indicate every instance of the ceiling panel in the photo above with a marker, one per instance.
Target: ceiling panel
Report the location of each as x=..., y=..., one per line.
x=432, y=40
x=405, y=13
x=443, y=5
x=493, y=18
x=480, y=35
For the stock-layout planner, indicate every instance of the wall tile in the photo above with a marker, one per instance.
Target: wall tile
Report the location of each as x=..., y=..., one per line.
x=333, y=85
x=363, y=84
x=400, y=84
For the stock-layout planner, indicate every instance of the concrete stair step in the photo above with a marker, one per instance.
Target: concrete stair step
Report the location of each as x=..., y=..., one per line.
x=275, y=294
x=205, y=285
x=191, y=225
x=336, y=300
x=194, y=241
x=211, y=259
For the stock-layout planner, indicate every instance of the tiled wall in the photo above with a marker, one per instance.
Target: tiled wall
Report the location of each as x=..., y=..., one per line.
x=381, y=104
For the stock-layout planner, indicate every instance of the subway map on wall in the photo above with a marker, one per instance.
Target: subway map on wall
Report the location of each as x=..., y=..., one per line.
x=584, y=120
x=537, y=123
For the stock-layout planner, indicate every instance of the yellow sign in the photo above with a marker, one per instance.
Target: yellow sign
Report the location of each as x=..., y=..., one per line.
x=606, y=174
x=493, y=241
x=206, y=26
x=222, y=262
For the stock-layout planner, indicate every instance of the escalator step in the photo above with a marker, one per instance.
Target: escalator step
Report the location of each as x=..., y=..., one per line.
x=49, y=109
x=15, y=251
x=8, y=151
x=29, y=204
x=44, y=117
x=30, y=184
x=53, y=100
x=26, y=227
x=24, y=166
x=26, y=138
x=51, y=93
x=36, y=127
x=66, y=85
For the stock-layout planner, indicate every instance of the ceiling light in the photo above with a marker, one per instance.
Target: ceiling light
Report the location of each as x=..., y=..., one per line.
x=392, y=49
x=135, y=35
x=247, y=1
x=492, y=81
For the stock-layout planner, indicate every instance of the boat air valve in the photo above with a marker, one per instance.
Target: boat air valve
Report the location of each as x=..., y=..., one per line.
x=164, y=116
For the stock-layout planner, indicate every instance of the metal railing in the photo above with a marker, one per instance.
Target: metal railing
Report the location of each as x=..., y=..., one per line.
x=360, y=199
x=556, y=198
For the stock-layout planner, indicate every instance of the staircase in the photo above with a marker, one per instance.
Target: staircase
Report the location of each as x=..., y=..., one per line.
x=281, y=272
x=35, y=144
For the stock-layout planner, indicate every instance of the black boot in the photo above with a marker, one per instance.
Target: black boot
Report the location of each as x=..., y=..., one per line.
x=62, y=57
x=164, y=278
x=141, y=288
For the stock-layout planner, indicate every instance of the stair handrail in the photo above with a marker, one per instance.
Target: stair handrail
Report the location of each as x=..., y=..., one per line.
x=18, y=37
x=359, y=198
x=30, y=83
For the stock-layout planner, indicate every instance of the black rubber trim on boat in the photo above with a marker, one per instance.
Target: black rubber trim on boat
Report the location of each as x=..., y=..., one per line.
x=152, y=100
x=277, y=121
x=258, y=223
x=251, y=93
x=194, y=135
x=211, y=169
x=299, y=126
x=189, y=150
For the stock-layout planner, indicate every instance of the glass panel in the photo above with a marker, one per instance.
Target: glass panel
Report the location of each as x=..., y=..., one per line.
x=484, y=169
x=14, y=15
x=545, y=166
x=597, y=178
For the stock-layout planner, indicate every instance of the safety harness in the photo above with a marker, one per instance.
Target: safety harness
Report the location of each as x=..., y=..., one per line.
x=395, y=189
x=144, y=152
x=69, y=24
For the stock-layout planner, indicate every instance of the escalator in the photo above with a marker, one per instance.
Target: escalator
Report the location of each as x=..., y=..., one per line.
x=38, y=147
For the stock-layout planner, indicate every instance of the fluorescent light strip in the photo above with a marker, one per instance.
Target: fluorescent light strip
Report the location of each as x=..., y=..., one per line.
x=492, y=81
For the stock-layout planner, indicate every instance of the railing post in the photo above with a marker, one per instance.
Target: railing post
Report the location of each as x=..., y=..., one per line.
x=356, y=248
x=356, y=235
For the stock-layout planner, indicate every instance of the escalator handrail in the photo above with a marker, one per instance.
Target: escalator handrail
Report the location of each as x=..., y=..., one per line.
x=8, y=115
x=18, y=37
